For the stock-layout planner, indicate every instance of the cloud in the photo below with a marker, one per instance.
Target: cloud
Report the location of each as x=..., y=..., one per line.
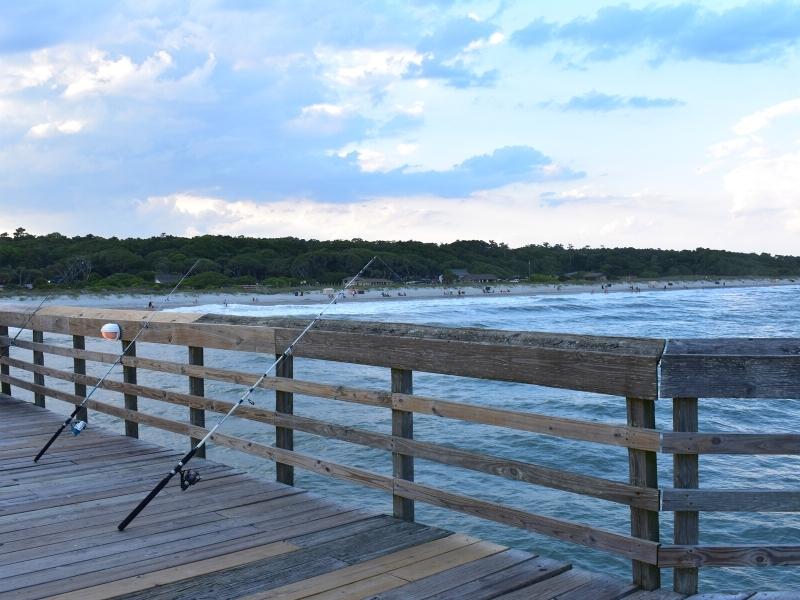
x=750, y=33
x=600, y=102
x=767, y=187
x=43, y=130
x=760, y=119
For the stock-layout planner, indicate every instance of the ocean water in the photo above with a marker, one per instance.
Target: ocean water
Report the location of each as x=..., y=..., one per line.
x=718, y=312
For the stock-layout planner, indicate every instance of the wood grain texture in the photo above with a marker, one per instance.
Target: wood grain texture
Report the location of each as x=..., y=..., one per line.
x=197, y=387
x=38, y=359
x=731, y=368
x=743, y=500
x=284, y=404
x=745, y=555
x=730, y=443
x=402, y=427
x=619, y=366
x=79, y=367
x=686, y=474
x=643, y=472
x=5, y=388
x=131, y=400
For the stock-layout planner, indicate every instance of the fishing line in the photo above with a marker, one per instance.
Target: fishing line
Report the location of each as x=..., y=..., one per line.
x=190, y=476
x=81, y=425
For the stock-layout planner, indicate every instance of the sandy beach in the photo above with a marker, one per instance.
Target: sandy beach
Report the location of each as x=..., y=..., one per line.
x=319, y=295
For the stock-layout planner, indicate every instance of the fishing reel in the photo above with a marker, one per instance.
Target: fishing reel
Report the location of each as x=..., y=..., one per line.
x=188, y=478
x=77, y=427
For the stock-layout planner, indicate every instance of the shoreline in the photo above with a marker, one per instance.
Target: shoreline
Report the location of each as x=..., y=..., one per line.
x=184, y=299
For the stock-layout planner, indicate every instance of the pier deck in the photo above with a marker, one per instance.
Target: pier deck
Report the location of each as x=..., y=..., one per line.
x=231, y=536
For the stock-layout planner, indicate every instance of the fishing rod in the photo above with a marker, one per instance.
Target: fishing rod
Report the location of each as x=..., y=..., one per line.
x=29, y=319
x=81, y=425
x=190, y=477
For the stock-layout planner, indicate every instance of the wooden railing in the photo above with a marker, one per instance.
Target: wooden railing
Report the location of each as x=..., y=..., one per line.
x=626, y=367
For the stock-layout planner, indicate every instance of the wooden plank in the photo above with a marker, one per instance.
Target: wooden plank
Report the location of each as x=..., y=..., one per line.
x=197, y=416
x=686, y=474
x=655, y=595
x=747, y=555
x=5, y=388
x=584, y=535
x=731, y=368
x=163, y=328
x=599, y=588
x=79, y=368
x=166, y=576
x=749, y=500
x=284, y=404
x=131, y=400
x=455, y=576
x=617, y=435
x=38, y=359
x=731, y=443
x=551, y=587
x=502, y=582
x=643, y=472
x=402, y=427
x=364, y=570
x=603, y=367
x=740, y=596
x=618, y=366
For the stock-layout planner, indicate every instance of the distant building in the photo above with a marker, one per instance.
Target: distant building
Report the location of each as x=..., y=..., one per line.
x=464, y=275
x=368, y=282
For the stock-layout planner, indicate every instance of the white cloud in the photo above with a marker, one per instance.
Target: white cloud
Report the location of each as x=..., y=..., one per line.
x=100, y=74
x=366, y=66
x=644, y=221
x=43, y=130
x=762, y=118
x=768, y=186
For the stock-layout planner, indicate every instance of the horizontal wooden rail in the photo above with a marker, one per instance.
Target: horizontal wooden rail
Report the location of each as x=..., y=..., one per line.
x=493, y=465
x=745, y=555
x=730, y=443
x=558, y=528
x=748, y=500
x=606, y=365
x=588, y=431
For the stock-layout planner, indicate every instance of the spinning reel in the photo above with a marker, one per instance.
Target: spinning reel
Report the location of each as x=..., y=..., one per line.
x=188, y=478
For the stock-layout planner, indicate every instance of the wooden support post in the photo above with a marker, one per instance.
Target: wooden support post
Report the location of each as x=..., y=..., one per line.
x=79, y=367
x=5, y=388
x=131, y=401
x=197, y=387
x=402, y=426
x=284, y=437
x=643, y=472
x=38, y=359
x=686, y=468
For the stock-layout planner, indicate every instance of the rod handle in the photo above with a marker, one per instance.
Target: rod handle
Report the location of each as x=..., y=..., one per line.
x=141, y=506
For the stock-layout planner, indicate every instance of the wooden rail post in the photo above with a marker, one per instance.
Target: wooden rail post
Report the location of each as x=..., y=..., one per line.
x=686, y=474
x=38, y=359
x=197, y=387
x=5, y=387
x=79, y=368
x=643, y=472
x=284, y=436
x=131, y=401
x=402, y=426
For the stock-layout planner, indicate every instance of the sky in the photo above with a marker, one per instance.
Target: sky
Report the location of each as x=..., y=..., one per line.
x=645, y=124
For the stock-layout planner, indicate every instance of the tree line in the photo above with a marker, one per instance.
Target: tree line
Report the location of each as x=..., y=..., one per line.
x=94, y=262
